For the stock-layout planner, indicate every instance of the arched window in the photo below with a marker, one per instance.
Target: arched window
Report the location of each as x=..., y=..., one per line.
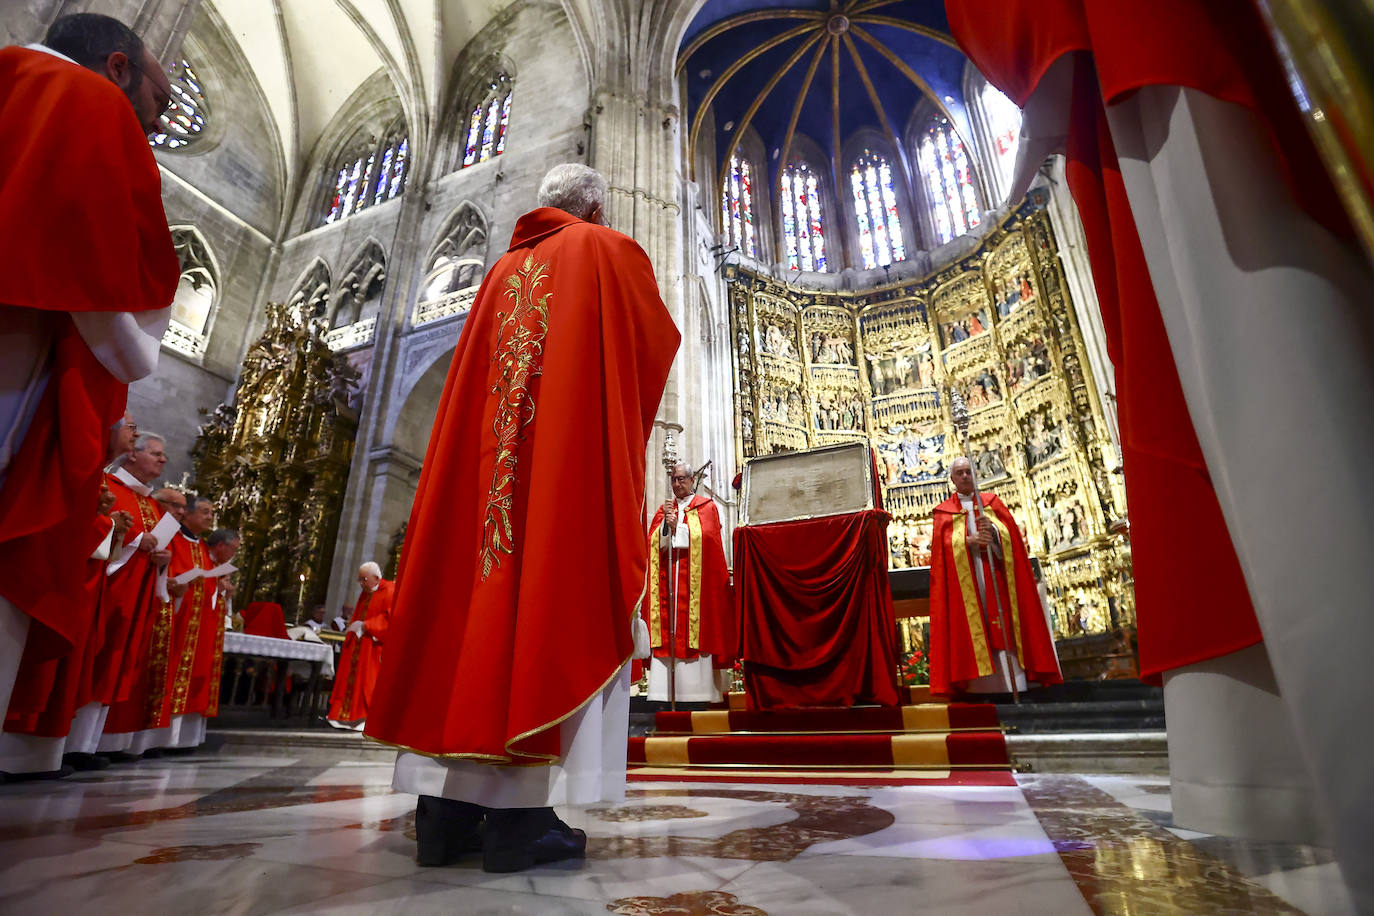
x=875, y=210
x=310, y=297
x=358, y=300
x=1003, y=122
x=488, y=121
x=183, y=123
x=948, y=180
x=370, y=173
x=803, y=224
x=455, y=267
x=737, y=206
x=195, y=296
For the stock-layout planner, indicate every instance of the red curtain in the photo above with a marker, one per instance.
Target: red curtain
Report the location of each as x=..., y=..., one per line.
x=816, y=621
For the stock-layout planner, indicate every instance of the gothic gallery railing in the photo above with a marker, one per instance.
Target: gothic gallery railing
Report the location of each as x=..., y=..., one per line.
x=450, y=306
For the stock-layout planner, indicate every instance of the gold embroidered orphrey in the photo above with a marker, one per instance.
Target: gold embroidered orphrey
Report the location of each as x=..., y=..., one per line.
x=520, y=353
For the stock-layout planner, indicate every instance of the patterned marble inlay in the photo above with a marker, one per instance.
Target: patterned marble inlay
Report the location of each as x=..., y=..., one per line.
x=1126, y=864
x=202, y=853
x=692, y=903
x=644, y=813
x=819, y=819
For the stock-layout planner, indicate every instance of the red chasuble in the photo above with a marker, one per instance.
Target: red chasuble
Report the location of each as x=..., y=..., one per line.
x=193, y=657
x=360, y=659
x=79, y=188
x=705, y=607
x=135, y=619
x=47, y=693
x=1192, y=603
x=524, y=557
x=965, y=631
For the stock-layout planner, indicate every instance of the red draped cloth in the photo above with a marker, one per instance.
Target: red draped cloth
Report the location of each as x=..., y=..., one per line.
x=49, y=691
x=1192, y=603
x=74, y=162
x=361, y=658
x=817, y=627
x=524, y=557
x=264, y=618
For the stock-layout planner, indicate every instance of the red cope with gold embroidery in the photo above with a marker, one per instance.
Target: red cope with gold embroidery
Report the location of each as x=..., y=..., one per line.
x=524, y=556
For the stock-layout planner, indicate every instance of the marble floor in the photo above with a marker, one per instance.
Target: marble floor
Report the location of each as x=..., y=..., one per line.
x=239, y=834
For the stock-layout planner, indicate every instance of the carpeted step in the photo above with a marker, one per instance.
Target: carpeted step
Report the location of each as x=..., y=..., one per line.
x=977, y=749
x=926, y=717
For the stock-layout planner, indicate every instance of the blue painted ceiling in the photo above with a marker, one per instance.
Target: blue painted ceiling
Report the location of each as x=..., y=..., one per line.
x=939, y=64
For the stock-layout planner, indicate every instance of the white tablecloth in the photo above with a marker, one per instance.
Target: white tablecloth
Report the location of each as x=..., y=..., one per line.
x=269, y=647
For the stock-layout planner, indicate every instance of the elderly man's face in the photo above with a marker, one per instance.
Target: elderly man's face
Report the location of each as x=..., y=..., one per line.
x=173, y=503
x=318, y=616
x=682, y=481
x=122, y=438
x=961, y=475
x=224, y=551
x=200, y=517
x=368, y=581
x=147, y=463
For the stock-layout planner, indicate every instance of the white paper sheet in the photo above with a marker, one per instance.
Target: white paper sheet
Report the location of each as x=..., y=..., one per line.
x=192, y=575
x=165, y=529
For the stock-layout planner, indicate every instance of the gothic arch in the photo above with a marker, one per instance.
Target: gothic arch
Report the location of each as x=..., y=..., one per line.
x=311, y=291
x=457, y=259
x=197, y=294
x=808, y=151
x=868, y=138
x=359, y=293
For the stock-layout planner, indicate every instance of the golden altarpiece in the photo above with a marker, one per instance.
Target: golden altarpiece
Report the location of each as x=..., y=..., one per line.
x=817, y=368
x=277, y=458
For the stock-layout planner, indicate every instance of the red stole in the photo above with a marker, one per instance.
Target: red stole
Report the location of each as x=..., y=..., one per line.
x=554, y=384
x=965, y=632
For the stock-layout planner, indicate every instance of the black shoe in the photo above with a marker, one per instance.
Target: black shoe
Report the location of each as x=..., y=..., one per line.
x=84, y=762
x=119, y=756
x=520, y=838
x=446, y=830
x=66, y=770
x=153, y=753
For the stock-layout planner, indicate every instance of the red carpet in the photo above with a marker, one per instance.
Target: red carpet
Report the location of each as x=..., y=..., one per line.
x=921, y=744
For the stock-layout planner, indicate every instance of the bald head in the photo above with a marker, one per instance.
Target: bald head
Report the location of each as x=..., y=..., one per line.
x=961, y=475
x=173, y=501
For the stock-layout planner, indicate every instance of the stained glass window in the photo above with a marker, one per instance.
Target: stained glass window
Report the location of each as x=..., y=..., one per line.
x=948, y=179
x=184, y=121
x=369, y=179
x=875, y=210
x=1003, y=120
x=488, y=123
x=802, y=222
x=737, y=206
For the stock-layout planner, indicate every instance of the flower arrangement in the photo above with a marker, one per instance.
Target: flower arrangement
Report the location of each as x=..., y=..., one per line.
x=914, y=668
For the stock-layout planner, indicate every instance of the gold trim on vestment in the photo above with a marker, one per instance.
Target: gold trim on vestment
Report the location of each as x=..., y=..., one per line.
x=655, y=609
x=694, y=551
x=972, y=607
x=181, y=686
x=159, y=660
x=1009, y=565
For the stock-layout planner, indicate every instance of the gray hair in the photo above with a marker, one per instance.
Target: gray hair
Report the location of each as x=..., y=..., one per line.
x=370, y=569
x=143, y=440
x=90, y=38
x=579, y=189
x=221, y=536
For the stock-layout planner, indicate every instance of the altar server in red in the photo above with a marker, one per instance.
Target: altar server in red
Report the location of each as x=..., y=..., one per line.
x=89, y=274
x=701, y=643
x=505, y=675
x=970, y=649
x=361, y=656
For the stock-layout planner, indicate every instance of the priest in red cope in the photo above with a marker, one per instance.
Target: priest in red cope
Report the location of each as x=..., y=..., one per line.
x=78, y=186
x=970, y=650
x=361, y=656
x=702, y=642
x=505, y=675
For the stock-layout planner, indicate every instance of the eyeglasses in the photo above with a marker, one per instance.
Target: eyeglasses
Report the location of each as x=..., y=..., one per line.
x=167, y=102
x=682, y=477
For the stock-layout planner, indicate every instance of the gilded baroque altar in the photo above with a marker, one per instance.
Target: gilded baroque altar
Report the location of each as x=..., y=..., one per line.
x=276, y=459
x=816, y=368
